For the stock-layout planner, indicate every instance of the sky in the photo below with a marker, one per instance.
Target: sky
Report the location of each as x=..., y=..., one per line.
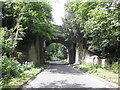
x=58, y=11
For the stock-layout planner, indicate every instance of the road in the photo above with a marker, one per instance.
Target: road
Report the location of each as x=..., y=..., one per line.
x=58, y=75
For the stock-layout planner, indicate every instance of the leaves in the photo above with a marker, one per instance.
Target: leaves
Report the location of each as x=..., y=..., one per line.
x=35, y=17
x=56, y=50
x=20, y=18
x=99, y=25
x=38, y=22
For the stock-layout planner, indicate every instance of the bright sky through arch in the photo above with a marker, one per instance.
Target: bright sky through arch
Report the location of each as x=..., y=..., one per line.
x=58, y=11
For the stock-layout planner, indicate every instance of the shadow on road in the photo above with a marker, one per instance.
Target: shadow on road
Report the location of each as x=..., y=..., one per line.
x=59, y=76
x=62, y=84
x=57, y=67
x=62, y=69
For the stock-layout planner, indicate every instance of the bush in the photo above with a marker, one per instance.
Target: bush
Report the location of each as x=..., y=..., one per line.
x=93, y=67
x=90, y=67
x=12, y=68
x=27, y=66
x=114, y=67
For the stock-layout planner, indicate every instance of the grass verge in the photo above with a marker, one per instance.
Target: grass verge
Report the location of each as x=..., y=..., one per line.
x=99, y=71
x=23, y=78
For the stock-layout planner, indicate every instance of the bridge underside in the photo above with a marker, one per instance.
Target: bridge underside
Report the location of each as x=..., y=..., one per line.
x=32, y=48
x=69, y=45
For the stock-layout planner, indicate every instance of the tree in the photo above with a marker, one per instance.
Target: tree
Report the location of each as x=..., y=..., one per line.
x=38, y=19
x=56, y=50
x=19, y=19
x=103, y=23
x=96, y=23
x=35, y=17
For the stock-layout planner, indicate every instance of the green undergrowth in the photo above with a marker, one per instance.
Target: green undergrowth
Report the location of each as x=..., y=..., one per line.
x=108, y=74
x=25, y=76
x=62, y=61
x=15, y=74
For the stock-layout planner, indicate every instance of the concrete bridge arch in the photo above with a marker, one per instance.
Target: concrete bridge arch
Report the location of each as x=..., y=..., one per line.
x=69, y=46
x=32, y=48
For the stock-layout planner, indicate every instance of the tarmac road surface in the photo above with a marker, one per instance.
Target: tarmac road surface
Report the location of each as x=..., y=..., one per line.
x=58, y=75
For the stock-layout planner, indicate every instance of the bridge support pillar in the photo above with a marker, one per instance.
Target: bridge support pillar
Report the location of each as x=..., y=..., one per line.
x=42, y=51
x=71, y=54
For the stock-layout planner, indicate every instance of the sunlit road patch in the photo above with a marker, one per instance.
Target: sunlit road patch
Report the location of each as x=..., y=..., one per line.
x=63, y=76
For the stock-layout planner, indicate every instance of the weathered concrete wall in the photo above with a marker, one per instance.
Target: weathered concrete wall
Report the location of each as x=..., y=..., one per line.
x=82, y=54
x=31, y=49
x=71, y=54
x=32, y=53
x=41, y=53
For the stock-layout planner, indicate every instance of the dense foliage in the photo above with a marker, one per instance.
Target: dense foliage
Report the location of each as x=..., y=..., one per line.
x=98, y=23
x=56, y=50
x=12, y=68
x=35, y=17
x=15, y=74
x=18, y=20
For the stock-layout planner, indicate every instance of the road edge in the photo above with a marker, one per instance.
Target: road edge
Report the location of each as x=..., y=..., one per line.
x=111, y=84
